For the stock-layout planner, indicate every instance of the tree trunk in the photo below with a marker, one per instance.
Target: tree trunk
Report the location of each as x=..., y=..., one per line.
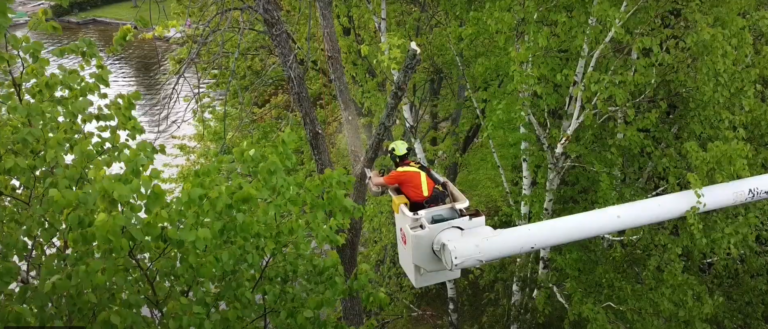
x=352, y=306
x=281, y=39
x=135, y=3
x=453, y=167
x=410, y=125
x=524, y=214
x=453, y=305
x=352, y=310
x=336, y=68
x=554, y=171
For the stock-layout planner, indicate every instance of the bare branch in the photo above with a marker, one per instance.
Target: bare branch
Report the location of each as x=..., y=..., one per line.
x=611, y=304
x=560, y=297
x=612, y=238
x=482, y=122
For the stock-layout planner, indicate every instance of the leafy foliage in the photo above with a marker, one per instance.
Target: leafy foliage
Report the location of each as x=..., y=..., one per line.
x=89, y=237
x=674, y=99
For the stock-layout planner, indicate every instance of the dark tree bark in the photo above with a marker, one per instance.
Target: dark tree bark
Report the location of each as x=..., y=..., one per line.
x=352, y=308
x=434, y=95
x=281, y=39
x=348, y=252
x=270, y=11
x=453, y=167
x=339, y=79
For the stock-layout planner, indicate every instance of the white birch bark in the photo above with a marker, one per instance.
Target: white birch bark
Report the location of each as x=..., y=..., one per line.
x=410, y=125
x=578, y=117
x=453, y=305
x=560, y=297
x=524, y=214
x=553, y=181
x=383, y=26
x=524, y=207
x=579, y=75
x=556, y=165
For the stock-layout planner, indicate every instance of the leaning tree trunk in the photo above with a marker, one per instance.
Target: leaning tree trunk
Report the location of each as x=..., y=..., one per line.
x=336, y=68
x=352, y=309
x=348, y=252
x=281, y=40
x=453, y=166
x=352, y=306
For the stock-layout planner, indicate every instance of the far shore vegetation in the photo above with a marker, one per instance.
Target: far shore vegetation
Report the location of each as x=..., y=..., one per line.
x=125, y=11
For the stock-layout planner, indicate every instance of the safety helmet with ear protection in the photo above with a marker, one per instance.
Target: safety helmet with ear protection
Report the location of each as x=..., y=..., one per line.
x=398, y=149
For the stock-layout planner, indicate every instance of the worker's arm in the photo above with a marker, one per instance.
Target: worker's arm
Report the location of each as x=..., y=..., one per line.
x=377, y=180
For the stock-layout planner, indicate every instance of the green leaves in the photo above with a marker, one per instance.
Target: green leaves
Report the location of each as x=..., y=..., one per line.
x=114, y=318
x=204, y=233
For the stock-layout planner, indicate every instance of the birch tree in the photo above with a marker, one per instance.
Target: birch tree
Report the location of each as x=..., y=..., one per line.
x=620, y=101
x=615, y=94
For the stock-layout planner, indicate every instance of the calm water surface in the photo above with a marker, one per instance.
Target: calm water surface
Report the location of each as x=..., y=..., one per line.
x=142, y=67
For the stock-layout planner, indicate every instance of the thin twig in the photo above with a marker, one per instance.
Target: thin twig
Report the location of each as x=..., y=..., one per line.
x=482, y=123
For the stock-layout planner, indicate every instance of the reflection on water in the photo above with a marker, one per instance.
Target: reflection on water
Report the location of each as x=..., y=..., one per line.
x=142, y=66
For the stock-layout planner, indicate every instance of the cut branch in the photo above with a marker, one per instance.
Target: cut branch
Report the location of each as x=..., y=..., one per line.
x=412, y=61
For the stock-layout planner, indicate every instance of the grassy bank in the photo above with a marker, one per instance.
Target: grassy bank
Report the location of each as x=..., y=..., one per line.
x=125, y=11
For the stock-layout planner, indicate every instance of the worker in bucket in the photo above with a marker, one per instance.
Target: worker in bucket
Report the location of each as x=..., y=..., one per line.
x=415, y=180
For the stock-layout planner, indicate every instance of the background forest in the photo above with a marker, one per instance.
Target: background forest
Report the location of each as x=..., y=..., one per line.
x=534, y=109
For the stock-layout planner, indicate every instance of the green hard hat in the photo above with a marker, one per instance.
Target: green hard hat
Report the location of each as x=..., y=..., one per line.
x=399, y=148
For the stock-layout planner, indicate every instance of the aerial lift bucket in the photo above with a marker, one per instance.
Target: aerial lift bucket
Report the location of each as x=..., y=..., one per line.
x=415, y=233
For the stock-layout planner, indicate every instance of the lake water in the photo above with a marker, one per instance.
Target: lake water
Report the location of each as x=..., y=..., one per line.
x=143, y=67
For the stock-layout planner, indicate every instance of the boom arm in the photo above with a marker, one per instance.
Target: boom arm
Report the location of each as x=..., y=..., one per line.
x=434, y=244
x=463, y=249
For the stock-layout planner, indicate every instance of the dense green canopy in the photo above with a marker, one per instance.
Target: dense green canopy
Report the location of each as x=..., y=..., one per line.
x=535, y=109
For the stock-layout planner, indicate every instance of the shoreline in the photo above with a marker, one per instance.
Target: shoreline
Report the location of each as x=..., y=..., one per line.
x=96, y=20
x=92, y=20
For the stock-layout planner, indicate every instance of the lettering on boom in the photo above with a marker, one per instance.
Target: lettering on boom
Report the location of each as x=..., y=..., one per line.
x=756, y=193
x=752, y=194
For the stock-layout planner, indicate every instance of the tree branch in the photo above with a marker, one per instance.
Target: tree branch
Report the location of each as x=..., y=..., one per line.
x=412, y=61
x=482, y=122
x=149, y=281
x=15, y=198
x=560, y=297
x=261, y=275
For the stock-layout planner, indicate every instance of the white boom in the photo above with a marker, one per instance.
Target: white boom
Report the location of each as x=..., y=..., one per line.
x=462, y=240
x=463, y=249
